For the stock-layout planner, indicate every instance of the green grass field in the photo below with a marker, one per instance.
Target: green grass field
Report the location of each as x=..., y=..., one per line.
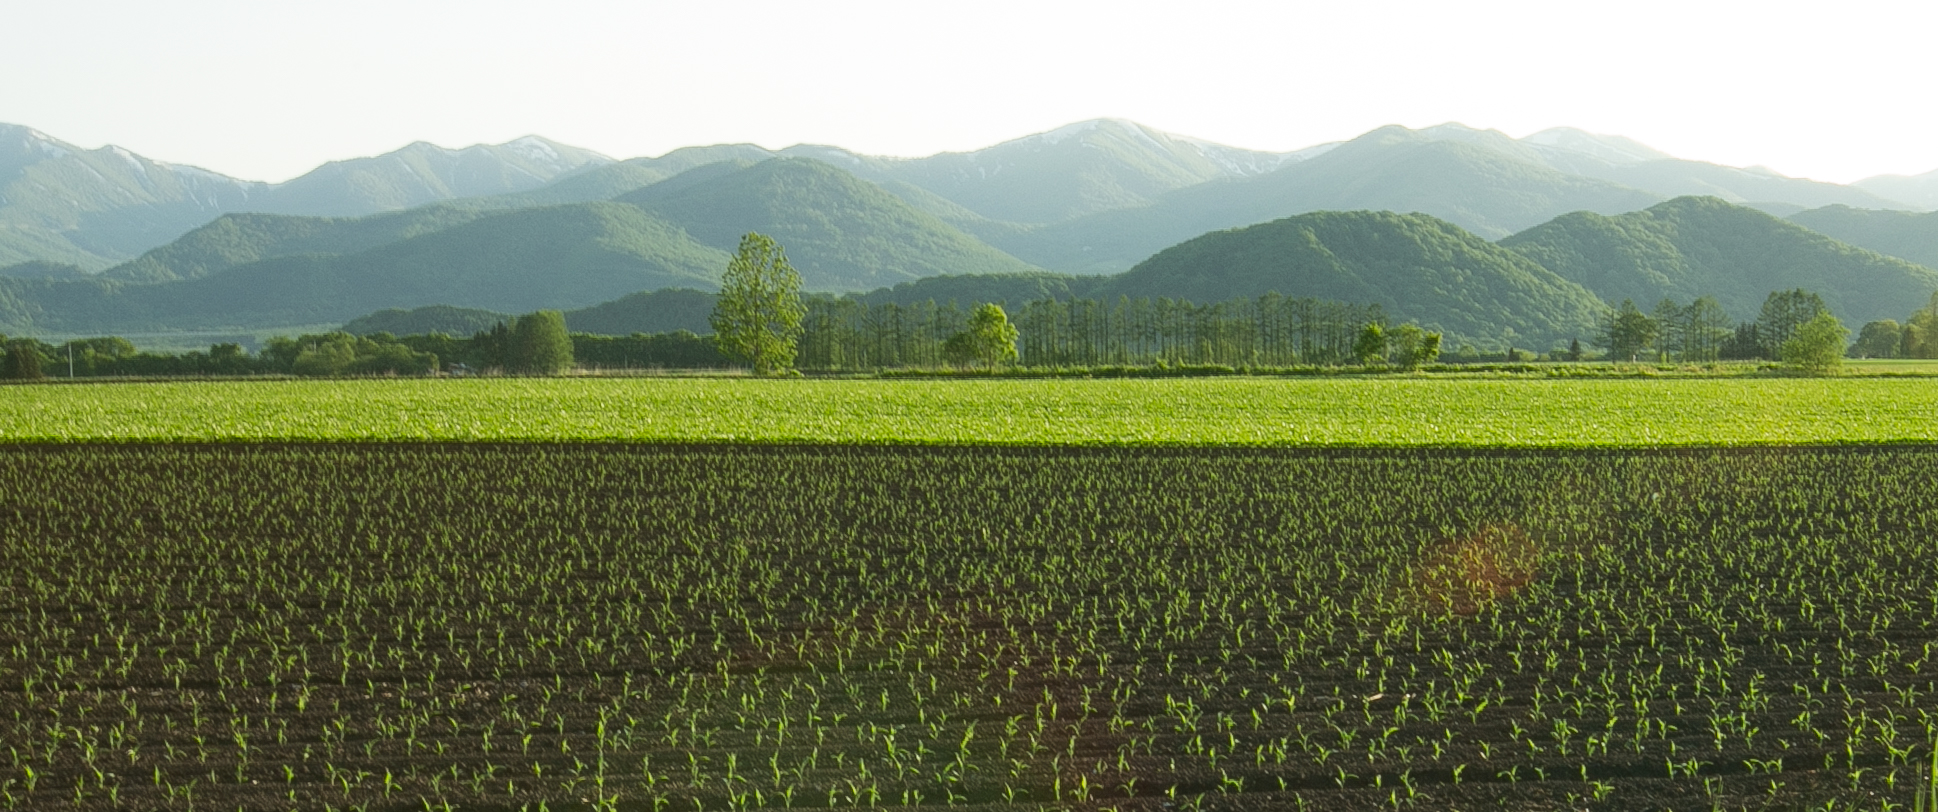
x=1520, y=413
x=1892, y=366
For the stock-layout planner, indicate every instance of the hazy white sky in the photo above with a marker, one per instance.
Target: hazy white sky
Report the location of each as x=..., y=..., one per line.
x=268, y=89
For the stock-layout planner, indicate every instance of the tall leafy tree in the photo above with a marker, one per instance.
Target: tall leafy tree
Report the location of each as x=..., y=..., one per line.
x=540, y=344
x=757, y=319
x=989, y=341
x=1878, y=339
x=1412, y=347
x=1817, y=345
x=1370, y=347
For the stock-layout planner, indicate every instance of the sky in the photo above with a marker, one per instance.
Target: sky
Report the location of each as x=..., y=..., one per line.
x=269, y=89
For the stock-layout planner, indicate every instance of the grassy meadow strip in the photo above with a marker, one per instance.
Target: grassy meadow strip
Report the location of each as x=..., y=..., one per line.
x=1398, y=412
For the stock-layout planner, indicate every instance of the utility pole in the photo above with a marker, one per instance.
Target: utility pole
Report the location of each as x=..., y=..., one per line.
x=70, y=360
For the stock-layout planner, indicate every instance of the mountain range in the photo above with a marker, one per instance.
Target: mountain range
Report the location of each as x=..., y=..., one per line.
x=106, y=241
x=93, y=208
x=1540, y=288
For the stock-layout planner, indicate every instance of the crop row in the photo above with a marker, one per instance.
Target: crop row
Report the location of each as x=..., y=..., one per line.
x=663, y=627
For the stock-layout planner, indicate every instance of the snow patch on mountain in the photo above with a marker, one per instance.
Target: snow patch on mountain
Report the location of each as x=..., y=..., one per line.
x=1611, y=148
x=46, y=144
x=129, y=158
x=535, y=149
x=1063, y=133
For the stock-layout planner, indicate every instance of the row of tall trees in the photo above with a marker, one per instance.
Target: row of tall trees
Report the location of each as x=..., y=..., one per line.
x=844, y=334
x=1700, y=331
x=1271, y=330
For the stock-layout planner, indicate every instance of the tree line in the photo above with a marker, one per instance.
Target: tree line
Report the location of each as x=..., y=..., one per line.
x=535, y=343
x=1916, y=337
x=1792, y=326
x=761, y=320
x=1272, y=330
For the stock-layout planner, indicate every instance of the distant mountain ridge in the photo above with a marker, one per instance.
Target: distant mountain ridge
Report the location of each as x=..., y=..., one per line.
x=1910, y=236
x=1539, y=289
x=1921, y=191
x=839, y=231
x=1489, y=192
x=96, y=208
x=93, y=208
x=64, y=204
x=260, y=270
x=424, y=173
x=532, y=223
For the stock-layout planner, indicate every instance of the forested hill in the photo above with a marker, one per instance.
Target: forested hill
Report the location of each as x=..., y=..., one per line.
x=840, y=232
x=272, y=270
x=1910, y=236
x=239, y=239
x=1490, y=192
x=1699, y=246
x=1415, y=266
x=659, y=311
x=556, y=257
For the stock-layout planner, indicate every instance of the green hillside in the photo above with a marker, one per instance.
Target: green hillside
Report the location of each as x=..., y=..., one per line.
x=602, y=183
x=258, y=269
x=21, y=243
x=238, y=239
x=1702, y=246
x=1910, y=236
x=451, y=321
x=1486, y=191
x=658, y=311
x=841, y=232
x=969, y=289
x=559, y=257
x=1416, y=267
x=38, y=269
